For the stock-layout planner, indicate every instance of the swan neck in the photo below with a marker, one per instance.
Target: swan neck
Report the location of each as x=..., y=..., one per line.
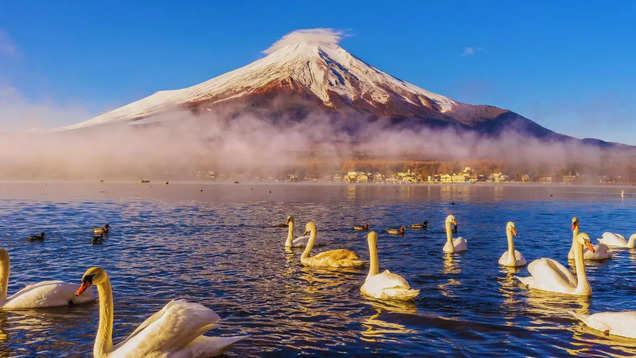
x=575, y=233
x=5, y=269
x=449, y=235
x=511, y=246
x=290, y=234
x=582, y=284
x=632, y=241
x=104, y=340
x=374, y=265
x=310, y=244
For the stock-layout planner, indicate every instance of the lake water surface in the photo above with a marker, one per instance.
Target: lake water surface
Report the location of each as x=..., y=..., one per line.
x=210, y=243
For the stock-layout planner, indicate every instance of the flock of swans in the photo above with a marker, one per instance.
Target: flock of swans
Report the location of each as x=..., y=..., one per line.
x=546, y=274
x=177, y=329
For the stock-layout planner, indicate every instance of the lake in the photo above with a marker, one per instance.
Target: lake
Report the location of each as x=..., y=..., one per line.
x=214, y=244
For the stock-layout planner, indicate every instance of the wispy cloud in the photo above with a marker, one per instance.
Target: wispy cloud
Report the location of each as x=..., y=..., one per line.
x=7, y=46
x=469, y=51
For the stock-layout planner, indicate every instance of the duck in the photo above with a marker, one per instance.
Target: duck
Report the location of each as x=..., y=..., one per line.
x=101, y=230
x=361, y=227
x=549, y=275
x=511, y=257
x=174, y=331
x=38, y=237
x=339, y=258
x=621, y=324
x=601, y=251
x=617, y=241
x=38, y=295
x=399, y=231
x=385, y=285
x=423, y=225
x=453, y=245
x=300, y=241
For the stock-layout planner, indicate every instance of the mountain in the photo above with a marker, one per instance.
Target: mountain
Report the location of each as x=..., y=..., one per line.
x=307, y=72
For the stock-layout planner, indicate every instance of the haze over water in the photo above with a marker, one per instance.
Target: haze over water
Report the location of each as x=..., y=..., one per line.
x=211, y=244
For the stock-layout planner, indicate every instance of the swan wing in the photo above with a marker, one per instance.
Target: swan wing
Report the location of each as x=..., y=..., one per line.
x=48, y=294
x=616, y=323
x=550, y=275
x=204, y=346
x=460, y=244
x=388, y=285
x=613, y=240
x=169, y=330
x=601, y=252
x=300, y=241
x=338, y=254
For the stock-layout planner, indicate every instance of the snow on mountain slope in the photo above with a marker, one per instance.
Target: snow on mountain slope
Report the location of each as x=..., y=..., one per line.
x=311, y=60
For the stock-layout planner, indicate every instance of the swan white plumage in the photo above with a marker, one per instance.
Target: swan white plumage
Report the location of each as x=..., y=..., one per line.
x=174, y=331
x=549, y=275
x=511, y=257
x=38, y=295
x=300, y=241
x=615, y=323
x=617, y=241
x=601, y=251
x=332, y=258
x=453, y=245
x=385, y=285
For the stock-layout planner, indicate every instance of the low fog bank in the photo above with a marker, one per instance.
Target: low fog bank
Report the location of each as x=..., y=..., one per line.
x=180, y=145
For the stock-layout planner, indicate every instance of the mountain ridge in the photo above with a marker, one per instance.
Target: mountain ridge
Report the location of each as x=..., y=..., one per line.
x=309, y=65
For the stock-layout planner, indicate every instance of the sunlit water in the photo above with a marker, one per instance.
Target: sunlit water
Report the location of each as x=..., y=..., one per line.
x=211, y=244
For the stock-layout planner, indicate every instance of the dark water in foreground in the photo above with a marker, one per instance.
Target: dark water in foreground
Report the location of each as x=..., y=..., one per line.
x=212, y=247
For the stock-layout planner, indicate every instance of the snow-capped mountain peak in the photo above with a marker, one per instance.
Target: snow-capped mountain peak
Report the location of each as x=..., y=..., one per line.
x=307, y=61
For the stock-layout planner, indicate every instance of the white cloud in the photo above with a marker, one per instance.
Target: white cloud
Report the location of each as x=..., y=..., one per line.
x=20, y=113
x=470, y=51
x=319, y=36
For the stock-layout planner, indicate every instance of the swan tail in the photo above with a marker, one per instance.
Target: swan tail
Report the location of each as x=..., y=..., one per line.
x=205, y=346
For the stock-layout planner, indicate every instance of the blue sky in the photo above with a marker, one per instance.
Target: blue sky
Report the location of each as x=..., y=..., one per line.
x=570, y=67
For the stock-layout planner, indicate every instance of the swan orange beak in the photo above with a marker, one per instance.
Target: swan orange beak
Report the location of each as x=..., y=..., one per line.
x=82, y=288
x=589, y=246
x=573, y=226
x=514, y=231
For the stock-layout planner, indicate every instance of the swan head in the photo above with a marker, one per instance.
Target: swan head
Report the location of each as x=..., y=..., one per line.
x=575, y=222
x=584, y=239
x=92, y=276
x=510, y=226
x=290, y=219
x=4, y=255
x=310, y=228
x=450, y=220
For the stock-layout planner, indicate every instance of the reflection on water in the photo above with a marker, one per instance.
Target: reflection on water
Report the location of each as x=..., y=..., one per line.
x=216, y=247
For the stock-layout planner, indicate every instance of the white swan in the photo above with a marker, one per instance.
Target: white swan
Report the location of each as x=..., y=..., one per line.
x=174, y=331
x=549, y=275
x=300, y=241
x=617, y=241
x=601, y=251
x=38, y=295
x=331, y=258
x=615, y=323
x=511, y=257
x=385, y=285
x=453, y=245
